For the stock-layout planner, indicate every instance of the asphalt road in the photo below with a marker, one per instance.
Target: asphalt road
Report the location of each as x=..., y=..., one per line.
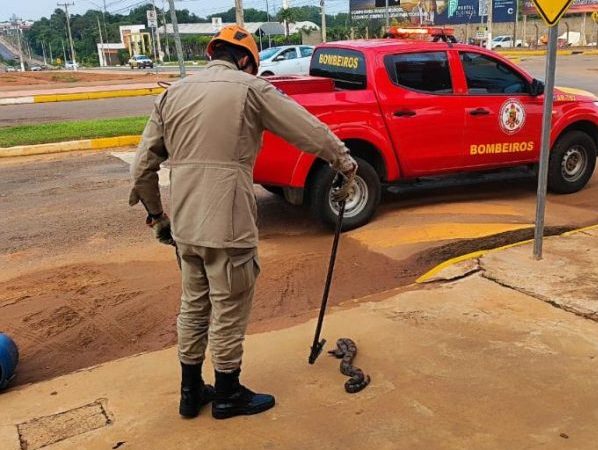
x=572, y=71
x=87, y=109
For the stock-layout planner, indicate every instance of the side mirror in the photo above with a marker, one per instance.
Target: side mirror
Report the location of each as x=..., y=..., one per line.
x=537, y=88
x=279, y=58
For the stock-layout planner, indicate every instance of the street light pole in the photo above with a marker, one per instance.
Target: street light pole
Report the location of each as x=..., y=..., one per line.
x=177, y=39
x=239, y=13
x=68, y=25
x=158, y=33
x=323, y=7
x=489, y=25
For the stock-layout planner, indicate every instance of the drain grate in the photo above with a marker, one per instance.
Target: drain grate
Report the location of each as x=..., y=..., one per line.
x=43, y=431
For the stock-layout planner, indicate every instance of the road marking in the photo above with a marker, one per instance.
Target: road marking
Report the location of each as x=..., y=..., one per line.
x=413, y=234
x=128, y=157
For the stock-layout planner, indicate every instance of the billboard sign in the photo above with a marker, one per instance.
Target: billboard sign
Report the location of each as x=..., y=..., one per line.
x=578, y=6
x=434, y=12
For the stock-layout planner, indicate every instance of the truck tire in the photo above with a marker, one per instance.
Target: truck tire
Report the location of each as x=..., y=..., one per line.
x=572, y=162
x=360, y=207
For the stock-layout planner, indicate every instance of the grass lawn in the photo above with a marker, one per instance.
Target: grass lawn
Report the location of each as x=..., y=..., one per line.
x=70, y=131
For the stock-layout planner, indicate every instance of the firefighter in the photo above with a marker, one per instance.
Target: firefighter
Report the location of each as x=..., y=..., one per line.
x=209, y=126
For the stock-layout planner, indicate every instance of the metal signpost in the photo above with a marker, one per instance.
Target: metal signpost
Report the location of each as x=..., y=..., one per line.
x=551, y=11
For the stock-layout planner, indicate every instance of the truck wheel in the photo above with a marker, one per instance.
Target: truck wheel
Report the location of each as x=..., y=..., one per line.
x=267, y=73
x=572, y=162
x=277, y=190
x=360, y=206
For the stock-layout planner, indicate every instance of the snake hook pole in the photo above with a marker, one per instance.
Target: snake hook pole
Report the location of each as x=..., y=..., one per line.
x=318, y=345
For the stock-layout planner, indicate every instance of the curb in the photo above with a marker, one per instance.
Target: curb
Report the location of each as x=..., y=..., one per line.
x=478, y=254
x=77, y=96
x=70, y=146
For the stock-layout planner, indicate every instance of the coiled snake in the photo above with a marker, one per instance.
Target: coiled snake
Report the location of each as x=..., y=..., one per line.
x=346, y=349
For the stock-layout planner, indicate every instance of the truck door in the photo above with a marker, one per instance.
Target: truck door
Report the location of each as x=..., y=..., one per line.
x=424, y=117
x=503, y=121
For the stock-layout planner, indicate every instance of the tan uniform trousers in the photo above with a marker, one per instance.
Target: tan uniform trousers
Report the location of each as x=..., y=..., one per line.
x=218, y=286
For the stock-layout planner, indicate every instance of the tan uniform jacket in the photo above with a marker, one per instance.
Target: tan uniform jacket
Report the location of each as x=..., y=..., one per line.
x=210, y=127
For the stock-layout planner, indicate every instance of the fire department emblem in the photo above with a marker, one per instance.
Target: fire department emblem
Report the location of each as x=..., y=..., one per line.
x=512, y=116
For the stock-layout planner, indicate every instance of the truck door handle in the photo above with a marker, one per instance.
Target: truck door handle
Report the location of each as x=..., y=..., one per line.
x=479, y=112
x=404, y=113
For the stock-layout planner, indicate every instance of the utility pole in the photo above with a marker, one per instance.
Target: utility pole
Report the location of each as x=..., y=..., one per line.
x=167, y=47
x=103, y=55
x=18, y=26
x=239, y=13
x=285, y=5
x=106, y=33
x=63, y=51
x=160, y=57
x=44, y=53
x=68, y=25
x=177, y=39
x=489, y=25
x=323, y=8
x=50, y=48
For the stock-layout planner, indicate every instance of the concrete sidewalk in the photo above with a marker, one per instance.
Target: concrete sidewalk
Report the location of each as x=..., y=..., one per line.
x=479, y=359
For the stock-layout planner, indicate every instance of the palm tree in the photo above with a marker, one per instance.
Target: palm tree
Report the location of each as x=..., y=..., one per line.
x=287, y=16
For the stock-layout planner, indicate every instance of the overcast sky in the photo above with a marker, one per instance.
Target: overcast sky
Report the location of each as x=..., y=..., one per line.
x=35, y=9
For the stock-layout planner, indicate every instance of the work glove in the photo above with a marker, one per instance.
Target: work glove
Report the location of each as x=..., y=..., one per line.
x=347, y=168
x=160, y=225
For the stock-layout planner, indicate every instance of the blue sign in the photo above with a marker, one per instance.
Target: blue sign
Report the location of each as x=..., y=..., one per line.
x=434, y=12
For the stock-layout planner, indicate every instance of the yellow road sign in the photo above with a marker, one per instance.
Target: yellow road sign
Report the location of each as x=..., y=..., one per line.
x=552, y=10
x=595, y=16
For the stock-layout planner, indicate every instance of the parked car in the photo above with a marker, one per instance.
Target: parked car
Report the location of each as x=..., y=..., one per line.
x=11, y=69
x=287, y=59
x=36, y=68
x=140, y=62
x=69, y=65
x=505, y=42
x=414, y=109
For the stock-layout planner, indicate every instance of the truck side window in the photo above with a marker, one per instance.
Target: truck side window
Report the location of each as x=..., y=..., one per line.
x=486, y=75
x=425, y=72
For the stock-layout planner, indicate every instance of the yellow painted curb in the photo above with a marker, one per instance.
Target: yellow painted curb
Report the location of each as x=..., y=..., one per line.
x=479, y=253
x=69, y=146
x=96, y=95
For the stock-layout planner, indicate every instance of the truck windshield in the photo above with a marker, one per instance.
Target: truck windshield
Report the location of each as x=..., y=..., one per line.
x=346, y=67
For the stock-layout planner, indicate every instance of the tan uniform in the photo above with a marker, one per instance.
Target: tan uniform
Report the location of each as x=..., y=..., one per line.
x=210, y=127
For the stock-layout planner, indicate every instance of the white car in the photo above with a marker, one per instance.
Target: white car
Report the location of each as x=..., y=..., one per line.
x=505, y=42
x=69, y=65
x=287, y=59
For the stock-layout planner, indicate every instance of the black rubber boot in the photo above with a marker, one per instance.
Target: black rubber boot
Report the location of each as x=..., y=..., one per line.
x=194, y=392
x=234, y=399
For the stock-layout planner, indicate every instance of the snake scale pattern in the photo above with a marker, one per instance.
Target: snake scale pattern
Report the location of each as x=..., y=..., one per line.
x=347, y=350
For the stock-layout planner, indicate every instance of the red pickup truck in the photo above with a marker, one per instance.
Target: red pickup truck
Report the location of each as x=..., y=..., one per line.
x=411, y=109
